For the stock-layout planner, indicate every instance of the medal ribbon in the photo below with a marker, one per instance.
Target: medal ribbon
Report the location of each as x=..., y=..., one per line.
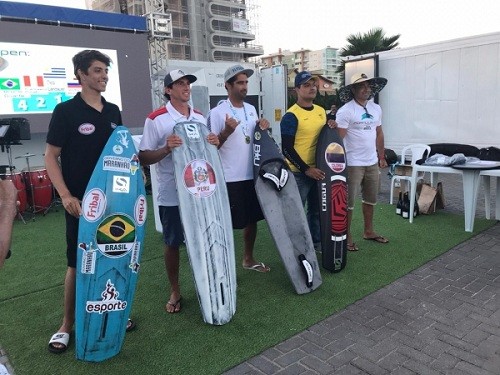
x=243, y=126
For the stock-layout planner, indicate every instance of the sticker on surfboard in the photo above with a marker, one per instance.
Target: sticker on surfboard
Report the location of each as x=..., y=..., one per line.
x=339, y=207
x=199, y=178
x=335, y=157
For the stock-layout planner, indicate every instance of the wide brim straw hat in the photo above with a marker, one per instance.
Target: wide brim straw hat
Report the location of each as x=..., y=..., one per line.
x=376, y=85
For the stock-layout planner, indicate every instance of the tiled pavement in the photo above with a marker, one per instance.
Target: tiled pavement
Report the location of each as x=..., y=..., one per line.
x=443, y=318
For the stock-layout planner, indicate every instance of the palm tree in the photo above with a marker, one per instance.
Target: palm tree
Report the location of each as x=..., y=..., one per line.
x=372, y=41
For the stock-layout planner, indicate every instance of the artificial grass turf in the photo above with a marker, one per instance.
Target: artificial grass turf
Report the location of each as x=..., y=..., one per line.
x=268, y=310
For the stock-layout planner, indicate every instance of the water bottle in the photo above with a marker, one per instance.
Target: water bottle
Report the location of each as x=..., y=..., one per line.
x=399, y=206
x=405, y=209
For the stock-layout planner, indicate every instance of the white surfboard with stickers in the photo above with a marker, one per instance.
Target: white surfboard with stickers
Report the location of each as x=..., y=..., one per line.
x=206, y=218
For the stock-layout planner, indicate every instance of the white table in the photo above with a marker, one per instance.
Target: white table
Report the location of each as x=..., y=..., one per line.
x=470, y=178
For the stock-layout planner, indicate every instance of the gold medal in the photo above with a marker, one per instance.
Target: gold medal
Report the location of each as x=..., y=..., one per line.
x=247, y=139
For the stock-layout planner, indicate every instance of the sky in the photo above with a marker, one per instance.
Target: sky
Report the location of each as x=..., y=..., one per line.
x=316, y=24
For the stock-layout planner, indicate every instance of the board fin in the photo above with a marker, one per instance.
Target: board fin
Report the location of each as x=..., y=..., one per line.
x=308, y=270
x=275, y=172
x=223, y=300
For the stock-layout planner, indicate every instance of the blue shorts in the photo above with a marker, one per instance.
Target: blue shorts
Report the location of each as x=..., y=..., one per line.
x=173, y=234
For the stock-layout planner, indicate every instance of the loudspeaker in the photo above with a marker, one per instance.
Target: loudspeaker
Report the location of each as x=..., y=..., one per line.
x=22, y=127
x=18, y=129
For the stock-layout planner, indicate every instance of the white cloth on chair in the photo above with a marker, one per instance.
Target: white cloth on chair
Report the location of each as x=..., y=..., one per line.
x=440, y=159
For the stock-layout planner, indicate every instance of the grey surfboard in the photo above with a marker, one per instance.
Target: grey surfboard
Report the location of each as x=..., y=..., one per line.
x=206, y=219
x=280, y=201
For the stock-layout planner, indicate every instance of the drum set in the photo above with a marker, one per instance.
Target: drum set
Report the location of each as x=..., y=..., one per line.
x=35, y=191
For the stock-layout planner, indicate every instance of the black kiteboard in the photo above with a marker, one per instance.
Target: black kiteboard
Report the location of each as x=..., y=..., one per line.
x=332, y=191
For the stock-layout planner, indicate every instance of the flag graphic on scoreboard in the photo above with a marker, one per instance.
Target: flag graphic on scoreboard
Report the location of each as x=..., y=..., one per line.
x=28, y=82
x=55, y=73
x=9, y=84
x=74, y=85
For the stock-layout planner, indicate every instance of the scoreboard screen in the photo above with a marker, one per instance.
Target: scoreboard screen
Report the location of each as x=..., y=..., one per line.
x=34, y=78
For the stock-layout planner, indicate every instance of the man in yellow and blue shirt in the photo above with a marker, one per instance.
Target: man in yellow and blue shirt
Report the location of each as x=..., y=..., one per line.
x=300, y=128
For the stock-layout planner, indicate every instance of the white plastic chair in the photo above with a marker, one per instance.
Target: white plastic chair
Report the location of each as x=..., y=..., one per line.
x=486, y=177
x=416, y=152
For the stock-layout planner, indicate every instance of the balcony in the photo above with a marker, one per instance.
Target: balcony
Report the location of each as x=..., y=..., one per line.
x=234, y=45
x=220, y=55
x=215, y=10
x=234, y=4
x=224, y=28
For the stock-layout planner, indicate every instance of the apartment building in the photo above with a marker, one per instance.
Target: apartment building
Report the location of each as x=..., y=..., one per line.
x=323, y=62
x=202, y=30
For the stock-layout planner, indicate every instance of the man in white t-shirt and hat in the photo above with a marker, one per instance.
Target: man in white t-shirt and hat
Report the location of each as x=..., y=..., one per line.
x=234, y=121
x=359, y=123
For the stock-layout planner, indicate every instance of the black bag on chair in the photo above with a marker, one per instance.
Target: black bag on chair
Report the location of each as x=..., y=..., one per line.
x=390, y=156
x=450, y=149
x=489, y=153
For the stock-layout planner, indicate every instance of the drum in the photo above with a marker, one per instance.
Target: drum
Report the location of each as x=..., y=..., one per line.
x=4, y=169
x=36, y=178
x=18, y=181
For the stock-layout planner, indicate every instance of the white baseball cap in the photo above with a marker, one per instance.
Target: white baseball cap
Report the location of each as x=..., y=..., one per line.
x=234, y=70
x=175, y=75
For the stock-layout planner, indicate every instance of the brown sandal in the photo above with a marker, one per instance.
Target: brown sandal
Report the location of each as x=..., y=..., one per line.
x=352, y=247
x=176, y=305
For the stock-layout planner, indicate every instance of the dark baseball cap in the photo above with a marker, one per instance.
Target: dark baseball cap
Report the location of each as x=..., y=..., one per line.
x=303, y=77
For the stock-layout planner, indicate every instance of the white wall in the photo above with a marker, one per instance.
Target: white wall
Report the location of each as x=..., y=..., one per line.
x=447, y=92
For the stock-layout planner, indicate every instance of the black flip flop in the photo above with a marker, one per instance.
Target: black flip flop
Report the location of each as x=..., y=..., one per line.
x=130, y=325
x=378, y=239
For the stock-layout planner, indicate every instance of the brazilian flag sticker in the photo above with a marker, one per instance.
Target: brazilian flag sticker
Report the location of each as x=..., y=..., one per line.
x=116, y=235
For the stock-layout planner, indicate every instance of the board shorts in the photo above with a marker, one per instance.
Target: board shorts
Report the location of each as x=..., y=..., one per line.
x=71, y=238
x=245, y=208
x=173, y=234
x=364, y=179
